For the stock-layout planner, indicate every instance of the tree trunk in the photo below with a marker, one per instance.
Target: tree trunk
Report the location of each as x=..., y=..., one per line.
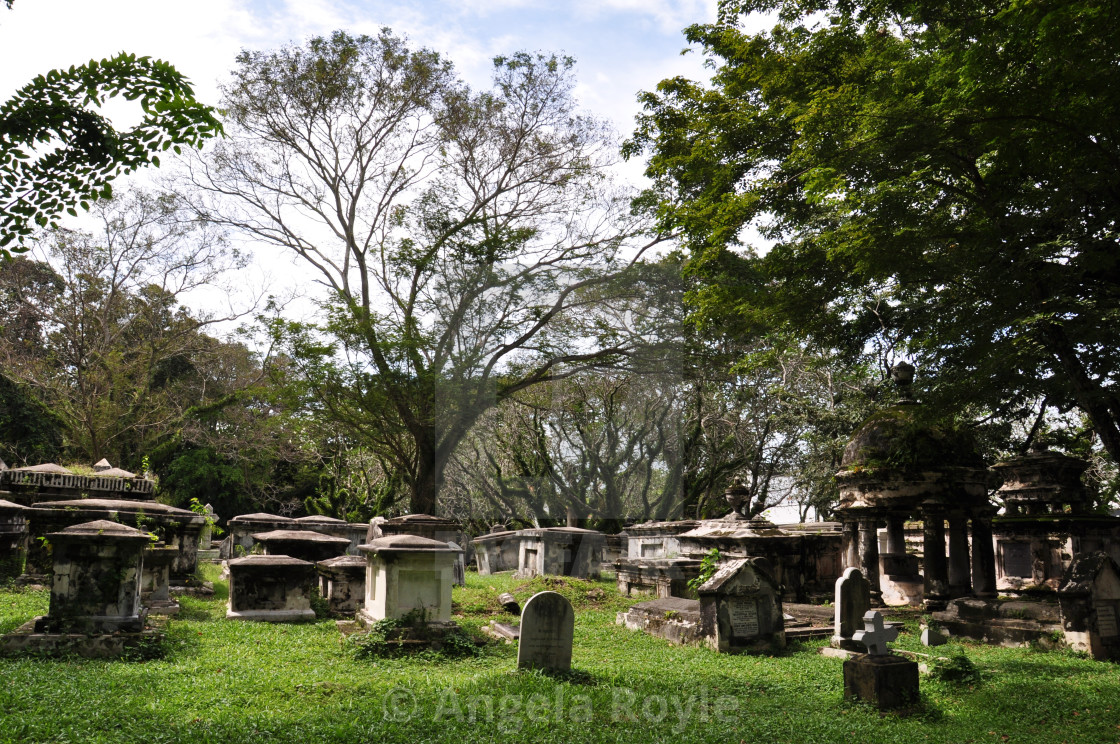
x=1098, y=404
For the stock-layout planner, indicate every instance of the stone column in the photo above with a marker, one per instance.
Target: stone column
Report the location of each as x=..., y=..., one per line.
x=869, y=557
x=983, y=556
x=960, y=583
x=850, y=543
x=936, y=585
x=896, y=534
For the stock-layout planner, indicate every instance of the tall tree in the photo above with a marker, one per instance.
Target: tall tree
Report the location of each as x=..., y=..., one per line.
x=101, y=338
x=941, y=176
x=458, y=234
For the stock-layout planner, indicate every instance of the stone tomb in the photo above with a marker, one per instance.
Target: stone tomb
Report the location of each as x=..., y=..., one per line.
x=305, y=545
x=95, y=584
x=496, y=551
x=545, y=640
x=880, y=677
x=239, y=541
x=741, y=607
x=342, y=583
x=407, y=574
x=13, y=539
x=95, y=608
x=560, y=551
x=273, y=588
x=1090, y=601
x=155, y=582
x=853, y=600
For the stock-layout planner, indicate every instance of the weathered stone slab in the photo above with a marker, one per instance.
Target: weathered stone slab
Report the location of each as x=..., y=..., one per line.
x=270, y=588
x=1090, y=602
x=547, y=628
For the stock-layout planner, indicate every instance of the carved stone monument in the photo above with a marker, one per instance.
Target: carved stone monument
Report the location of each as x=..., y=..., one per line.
x=741, y=607
x=1090, y=601
x=547, y=626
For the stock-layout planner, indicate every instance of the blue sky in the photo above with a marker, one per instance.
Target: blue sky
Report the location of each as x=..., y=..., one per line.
x=622, y=46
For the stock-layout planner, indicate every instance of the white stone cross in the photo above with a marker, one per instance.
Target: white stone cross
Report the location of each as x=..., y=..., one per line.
x=875, y=636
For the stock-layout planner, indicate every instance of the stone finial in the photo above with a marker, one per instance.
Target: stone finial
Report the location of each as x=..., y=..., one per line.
x=875, y=636
x=903, y=374
x=738, y=496
x=100, y=465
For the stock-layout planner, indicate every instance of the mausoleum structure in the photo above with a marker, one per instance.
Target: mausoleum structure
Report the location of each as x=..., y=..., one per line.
x=901, y=464
x=354, y=532
x=95, y=582
x=804, y=562
x=1046, y=524
x=51, y=482
x=239, y=542
x=407, y=574
x=271, y=588
x=496, y=551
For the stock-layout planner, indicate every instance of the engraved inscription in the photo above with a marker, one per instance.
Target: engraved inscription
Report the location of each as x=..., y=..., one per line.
x=1017, y=560
x=1106, y=621
x=744, y=616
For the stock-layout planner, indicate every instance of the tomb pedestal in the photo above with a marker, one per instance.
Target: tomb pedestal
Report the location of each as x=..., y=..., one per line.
x=155, y=582
x=306, y=545
x=13, y=539
x=95, y=584
x=342, y=583
x=1090, y=602
x=407, y=574
x=273, y=588
x=886, y=681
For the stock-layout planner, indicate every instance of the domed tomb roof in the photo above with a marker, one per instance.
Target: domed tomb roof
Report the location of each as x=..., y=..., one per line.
x=908, y=437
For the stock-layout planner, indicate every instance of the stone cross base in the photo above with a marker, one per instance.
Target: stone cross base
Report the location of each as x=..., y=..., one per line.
x=888, y=682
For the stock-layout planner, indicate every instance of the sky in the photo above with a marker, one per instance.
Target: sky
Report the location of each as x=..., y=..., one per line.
x=621, y=46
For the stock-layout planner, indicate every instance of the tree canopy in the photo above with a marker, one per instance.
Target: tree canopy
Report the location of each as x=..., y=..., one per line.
x=940, y=178
x=461, y=236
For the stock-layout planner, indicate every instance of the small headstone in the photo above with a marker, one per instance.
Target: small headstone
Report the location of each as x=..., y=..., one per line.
x=853, y=600
x=547, y=626
x=874, y=635
x=509, y=604
x=932, y=638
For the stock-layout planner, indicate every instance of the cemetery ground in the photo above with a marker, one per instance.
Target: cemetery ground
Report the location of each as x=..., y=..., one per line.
x=233, y=681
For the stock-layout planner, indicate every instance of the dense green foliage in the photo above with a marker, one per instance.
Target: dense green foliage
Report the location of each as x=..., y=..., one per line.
x=938, y=180
x=231, y=682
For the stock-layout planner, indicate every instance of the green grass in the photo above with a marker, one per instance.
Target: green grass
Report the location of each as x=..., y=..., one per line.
x=226, y=682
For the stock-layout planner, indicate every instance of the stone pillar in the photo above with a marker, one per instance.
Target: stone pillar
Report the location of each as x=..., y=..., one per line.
x=896, y=534
x=850, y=544
x=936, y=584
x=869, y=557
x=983, y=556
x=960, y=582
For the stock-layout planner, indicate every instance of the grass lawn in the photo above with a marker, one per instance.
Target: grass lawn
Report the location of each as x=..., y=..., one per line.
x=226, y=682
